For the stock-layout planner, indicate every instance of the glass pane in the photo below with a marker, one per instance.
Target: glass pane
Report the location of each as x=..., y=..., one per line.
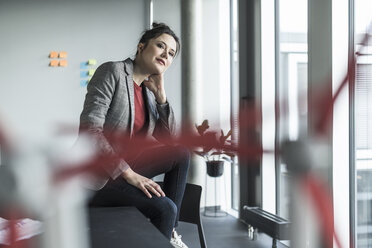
x=363, y=127
x=235, y=186
x=292, y=84
x=234, y=103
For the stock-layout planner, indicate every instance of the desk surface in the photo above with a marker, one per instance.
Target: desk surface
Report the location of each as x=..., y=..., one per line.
x=123, y=227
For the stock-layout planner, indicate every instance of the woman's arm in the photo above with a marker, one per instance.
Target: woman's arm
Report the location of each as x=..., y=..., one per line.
x=166, y=124
x=100, y=91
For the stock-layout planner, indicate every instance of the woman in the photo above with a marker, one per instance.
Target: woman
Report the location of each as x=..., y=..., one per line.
x=127, y=99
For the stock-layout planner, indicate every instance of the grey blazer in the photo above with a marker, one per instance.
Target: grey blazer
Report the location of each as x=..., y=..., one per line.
x=109, y=110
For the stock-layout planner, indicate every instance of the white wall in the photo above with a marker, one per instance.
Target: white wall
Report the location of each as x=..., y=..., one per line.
x=216, y=84
x=36, y=98
x=268, y=104
x=341, y=129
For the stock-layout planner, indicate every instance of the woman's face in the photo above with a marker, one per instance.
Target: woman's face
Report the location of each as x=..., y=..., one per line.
x=158, y=55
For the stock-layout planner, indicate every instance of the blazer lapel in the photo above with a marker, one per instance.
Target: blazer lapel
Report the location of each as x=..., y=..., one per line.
x=128, y=67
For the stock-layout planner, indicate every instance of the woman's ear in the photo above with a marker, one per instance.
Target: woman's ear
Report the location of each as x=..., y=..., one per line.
x=140, y=47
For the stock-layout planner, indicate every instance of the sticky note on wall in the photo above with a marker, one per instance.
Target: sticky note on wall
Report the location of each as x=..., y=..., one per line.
x=83, y=83
x=83, y=65
x=53, y=55
x=92, y=61
x=63, y=63
x=53, y=63
x=91, y=72
x=83, y=74
x=62, y=54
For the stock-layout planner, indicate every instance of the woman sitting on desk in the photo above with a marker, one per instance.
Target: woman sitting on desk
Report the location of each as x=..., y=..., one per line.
x=128, y=97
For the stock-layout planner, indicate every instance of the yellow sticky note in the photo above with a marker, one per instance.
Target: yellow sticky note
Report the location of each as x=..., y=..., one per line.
x=91, y=72
x=53, y=55
x=92, y=61
x=63, y=63
x=53, y=63
x=62, y=54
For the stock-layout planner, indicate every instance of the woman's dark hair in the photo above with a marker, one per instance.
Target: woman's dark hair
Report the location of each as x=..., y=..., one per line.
x=157, y=30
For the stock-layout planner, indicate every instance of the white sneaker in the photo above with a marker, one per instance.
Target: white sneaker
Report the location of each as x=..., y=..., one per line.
x=176, y=241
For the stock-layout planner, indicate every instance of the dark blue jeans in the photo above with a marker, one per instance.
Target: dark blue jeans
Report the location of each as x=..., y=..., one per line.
x=163, y=212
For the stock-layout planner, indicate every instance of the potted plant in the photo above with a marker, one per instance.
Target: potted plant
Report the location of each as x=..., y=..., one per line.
x=213, y=149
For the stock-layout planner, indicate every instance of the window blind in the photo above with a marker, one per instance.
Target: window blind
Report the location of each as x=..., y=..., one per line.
x=363, y=106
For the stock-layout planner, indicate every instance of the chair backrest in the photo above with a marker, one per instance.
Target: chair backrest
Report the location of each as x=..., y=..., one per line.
x=190, y=207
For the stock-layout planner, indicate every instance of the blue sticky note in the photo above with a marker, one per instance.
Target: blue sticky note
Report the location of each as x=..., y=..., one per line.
x=83, y=74
x=83, y=83
x=83, y=65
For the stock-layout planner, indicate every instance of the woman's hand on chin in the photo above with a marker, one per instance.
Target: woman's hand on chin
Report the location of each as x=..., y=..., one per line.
x=155, y=84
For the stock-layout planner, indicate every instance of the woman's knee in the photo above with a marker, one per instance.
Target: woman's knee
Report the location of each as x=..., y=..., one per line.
x=163, y=208
x=167, y=208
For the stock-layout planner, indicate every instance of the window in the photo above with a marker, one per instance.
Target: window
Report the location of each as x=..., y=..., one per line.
x=234, y=100
x=291, y=64
x=363, y=128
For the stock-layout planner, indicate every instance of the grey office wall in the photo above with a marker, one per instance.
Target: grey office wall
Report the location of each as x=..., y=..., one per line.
x=36, y=98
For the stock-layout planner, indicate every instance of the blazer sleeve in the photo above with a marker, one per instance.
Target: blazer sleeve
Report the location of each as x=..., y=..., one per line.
x=100, y=91
x=166, y=125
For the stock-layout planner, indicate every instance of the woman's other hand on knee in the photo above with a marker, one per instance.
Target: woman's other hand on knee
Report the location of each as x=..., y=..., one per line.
x=143, y=183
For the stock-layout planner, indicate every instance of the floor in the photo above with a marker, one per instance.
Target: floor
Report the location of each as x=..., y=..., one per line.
x=223, y=232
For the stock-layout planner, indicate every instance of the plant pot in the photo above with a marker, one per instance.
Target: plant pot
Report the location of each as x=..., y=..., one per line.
x=215, y=168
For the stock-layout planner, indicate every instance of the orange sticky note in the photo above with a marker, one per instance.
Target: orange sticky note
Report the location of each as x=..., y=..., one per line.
x=63, y=54
x=53, y=55
x=63, y=62
x=53, y=63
